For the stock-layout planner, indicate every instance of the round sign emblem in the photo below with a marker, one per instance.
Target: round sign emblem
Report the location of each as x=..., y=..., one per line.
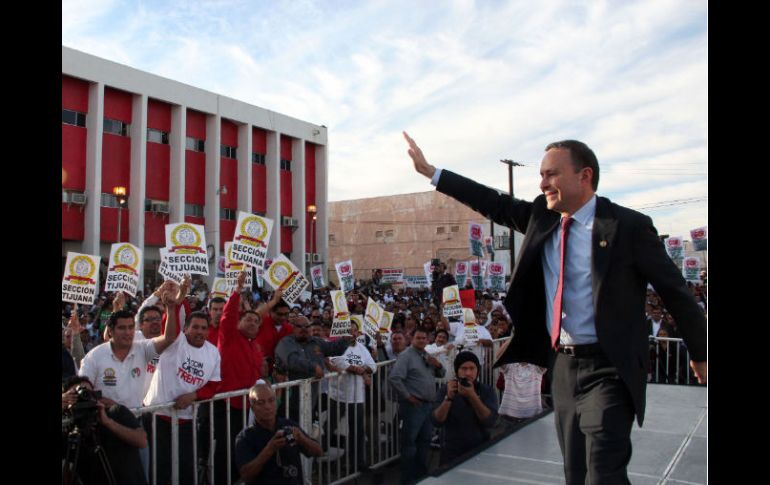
x=254, y=227
x=185, y=235
x=279, y=273
x=82, y=267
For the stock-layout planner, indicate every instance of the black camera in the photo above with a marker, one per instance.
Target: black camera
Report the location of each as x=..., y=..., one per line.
x=289, y=435
x=464, y=382
x=84, y=413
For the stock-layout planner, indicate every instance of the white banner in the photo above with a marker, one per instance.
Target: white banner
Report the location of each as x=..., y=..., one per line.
x=186, y=245
x=233, y=270
x=163, y=269
x=252, y=235
x=470, y=328
x=341, y=323
x=675, y=249
x=453, y=308
x=475, y=239
x=496, y=276
x=317, y=275
x=123, y=268
x=461, y=273
x=386, y=320
x=81, y=276
x=691, y=269
x=373, y=314
x=700, y=238
x=392, y=275
x=416, y=282
x=345, y=275
x=283, y=274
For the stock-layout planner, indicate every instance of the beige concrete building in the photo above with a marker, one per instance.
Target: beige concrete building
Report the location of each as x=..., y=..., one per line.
x=405, y=231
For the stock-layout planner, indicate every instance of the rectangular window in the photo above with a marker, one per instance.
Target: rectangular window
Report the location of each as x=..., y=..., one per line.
x=261, y=214
x=157, y=136
x=332, y=238
x=286, y=165
x=227, y=151
x=109, y=200
x=455, y=228
x=193, y=210
x=258, y=158
x=116, y=127
x=69, y=117
x=227, y=214
x=440, y=230
x=389, y=233
x=194, y=144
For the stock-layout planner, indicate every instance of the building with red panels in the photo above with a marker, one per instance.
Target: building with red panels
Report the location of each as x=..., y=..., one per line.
x=183, y=154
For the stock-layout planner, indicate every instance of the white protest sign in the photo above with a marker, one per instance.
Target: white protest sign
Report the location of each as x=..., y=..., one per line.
x=700, y=238
x=341, y=323
x=691, y=269
x=428, y=269
x=469, y=326
x=496, y=276
x=675, y=249
x=163, y=268
x=283, y=274
x=452, y=305
x=252, y=234
x=234, y=268
x=386, y=320
x=186, y=245
x=345, y=275
x=123, y=268
x=416, y=282
x=488, y=245
x=461, y=273
x=475, y=239
x=317, y=275
x=221, y=288
x=365, y=327
x=81, y=274
x=372, y=315
x=392, y=275
x=477, y=277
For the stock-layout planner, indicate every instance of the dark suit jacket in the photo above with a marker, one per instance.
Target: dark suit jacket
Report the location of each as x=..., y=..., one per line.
x=626, y=254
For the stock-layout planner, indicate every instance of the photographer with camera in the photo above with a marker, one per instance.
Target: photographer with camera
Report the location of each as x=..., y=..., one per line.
x=465, y=407
x=268, y=451
x=100, y=445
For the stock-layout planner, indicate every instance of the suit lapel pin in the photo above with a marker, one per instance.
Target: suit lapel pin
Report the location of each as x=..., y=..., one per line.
x=603, y=244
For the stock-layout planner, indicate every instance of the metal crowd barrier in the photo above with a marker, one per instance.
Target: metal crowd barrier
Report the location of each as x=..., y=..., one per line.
x=670, y=362
x=340, y=461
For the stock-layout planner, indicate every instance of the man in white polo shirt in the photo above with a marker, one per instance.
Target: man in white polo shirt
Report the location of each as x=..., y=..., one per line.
x=188, y=371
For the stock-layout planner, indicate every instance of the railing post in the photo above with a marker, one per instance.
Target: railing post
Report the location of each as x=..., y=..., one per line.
x=306, y=421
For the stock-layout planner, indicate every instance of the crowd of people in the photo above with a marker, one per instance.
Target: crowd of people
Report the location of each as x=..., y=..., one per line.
x=177, y=344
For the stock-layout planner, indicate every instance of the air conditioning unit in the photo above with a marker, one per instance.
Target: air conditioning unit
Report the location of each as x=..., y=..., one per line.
x=161, y=208
x=307, y=257
x=77, y=198
x=317, y=258
x=289, y=222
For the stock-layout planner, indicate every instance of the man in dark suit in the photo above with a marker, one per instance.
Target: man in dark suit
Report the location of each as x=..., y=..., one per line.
x=591, y=312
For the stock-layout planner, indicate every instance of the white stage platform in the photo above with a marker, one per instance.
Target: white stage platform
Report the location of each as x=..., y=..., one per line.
x=669, y=449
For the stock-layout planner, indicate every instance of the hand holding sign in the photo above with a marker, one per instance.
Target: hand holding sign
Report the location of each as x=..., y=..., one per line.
x=184, y=289
x=74, y=322
x=119, y=301
x=240, y=281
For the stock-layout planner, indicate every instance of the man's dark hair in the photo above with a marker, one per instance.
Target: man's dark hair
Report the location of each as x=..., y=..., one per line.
x=420, y=328
x=119, y=314
x=216, y=299
x=74, y=381
x=582, y=157
x=243, y=314
x=281, y=304
x=444, y=332
x=149, y=308
x=202, y=315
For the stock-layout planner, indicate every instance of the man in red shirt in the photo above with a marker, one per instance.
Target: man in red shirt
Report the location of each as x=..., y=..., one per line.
x=275, y=326
x=242, y=365
x=216, y=308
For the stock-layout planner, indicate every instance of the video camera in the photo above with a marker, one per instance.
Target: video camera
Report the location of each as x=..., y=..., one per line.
x=84, y=413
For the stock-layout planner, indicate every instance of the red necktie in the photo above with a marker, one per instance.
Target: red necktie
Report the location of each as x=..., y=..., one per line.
x=556, y=321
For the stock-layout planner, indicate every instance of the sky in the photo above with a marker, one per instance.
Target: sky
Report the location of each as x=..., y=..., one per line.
x=473, y=82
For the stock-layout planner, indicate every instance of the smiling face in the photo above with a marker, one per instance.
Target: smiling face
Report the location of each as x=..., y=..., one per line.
x=249, y=324
x=566, y=190
x=197, y=332
x=150, y=324
x=123, y=333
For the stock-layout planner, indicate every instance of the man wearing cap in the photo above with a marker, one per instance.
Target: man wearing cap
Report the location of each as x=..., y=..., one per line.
x=414, y=379
x=465, y=407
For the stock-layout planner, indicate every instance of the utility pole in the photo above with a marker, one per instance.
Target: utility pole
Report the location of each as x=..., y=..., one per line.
x=512, y=240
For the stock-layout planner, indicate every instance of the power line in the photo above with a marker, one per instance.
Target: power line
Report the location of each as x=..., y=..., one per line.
x=670, y=203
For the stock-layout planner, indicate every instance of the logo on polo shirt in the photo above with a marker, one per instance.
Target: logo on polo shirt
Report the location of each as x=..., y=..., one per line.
x=136, y=372
x=109, y=378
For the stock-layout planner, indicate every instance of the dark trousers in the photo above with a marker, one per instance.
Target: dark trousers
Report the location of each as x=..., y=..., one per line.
x=221, y=463
x=594, y=414
x=354, y=443
x=416, y=433
x=163, y=452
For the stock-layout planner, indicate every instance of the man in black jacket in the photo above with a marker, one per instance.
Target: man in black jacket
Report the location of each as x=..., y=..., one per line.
x=581, y=292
